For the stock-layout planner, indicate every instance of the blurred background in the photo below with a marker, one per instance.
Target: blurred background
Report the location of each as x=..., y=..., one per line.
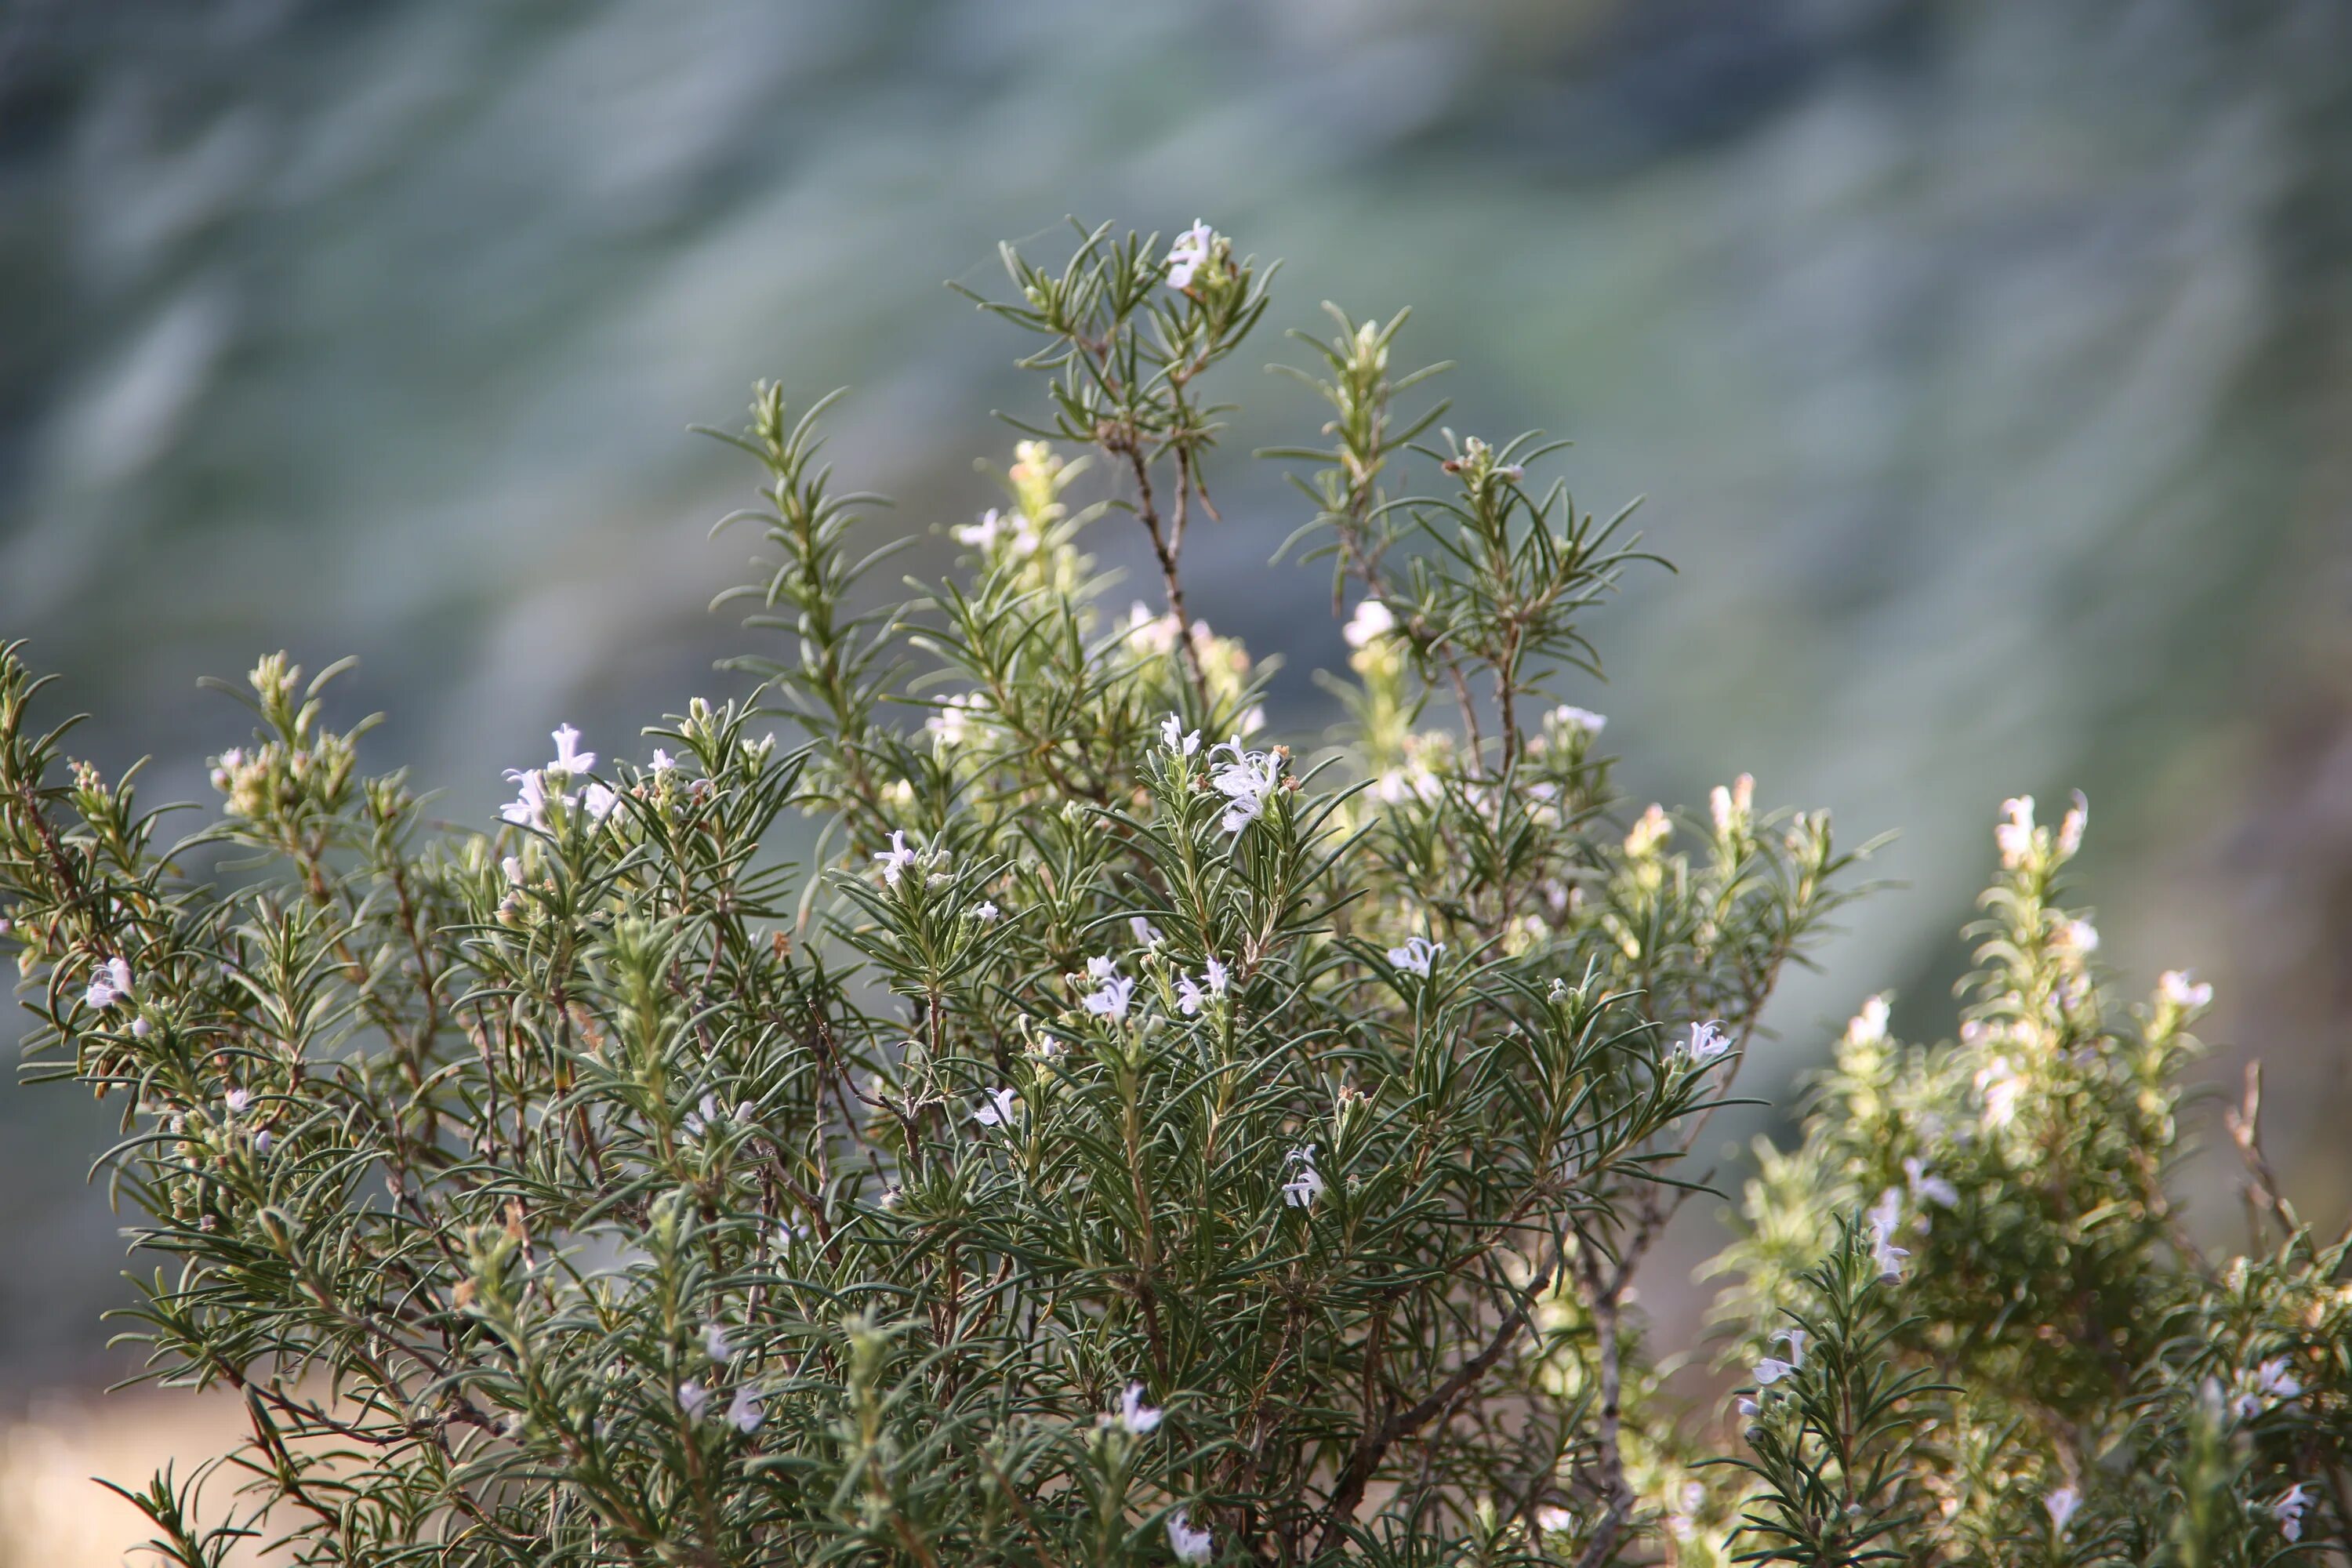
x=1987, y=364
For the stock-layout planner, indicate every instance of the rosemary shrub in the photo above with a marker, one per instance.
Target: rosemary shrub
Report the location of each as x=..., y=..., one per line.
x=1132, y=1140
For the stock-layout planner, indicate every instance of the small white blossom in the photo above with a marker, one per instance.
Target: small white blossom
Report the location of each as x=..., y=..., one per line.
x=236, y=1101
x=1173, y=736
x=1371, y=622
x=1134, y=1416
x=2175, y=986
x=1568, y=716
x=715, y=1343
x=951, y=725
x=2014, y=835
x=744, y=1411
x=693, y=1398
x=512, y=867
x=600, y=800
x=111, y=984
x=568, y=757
x=663, y=762
x=996, y=1110
x=1145, y=934
x=140, y=1029
x=895, y=859
x=2272, y=1382
x=2003, y=1086
x=1416, y=956
x=1925, y=1186
x=1868, y=1027
x=2288, y=1510
x=1708, y=1041
x=1216, y=975
x=264, y=1141
x=1102, y=966
x=1111, y=1001
x=985, y=912
x=1189, y=997
x=1302, y=1189
x=2080, y=935
x=533, y=798
x=1245, y=781
x=2069, y=827
x=1185, y=257
x=1885, y=1218
x=2061, y=1504
x=1190, y=1545
x=992, y=526
x=1731, y=807
x=1554, y=1520
x=1770, y=1370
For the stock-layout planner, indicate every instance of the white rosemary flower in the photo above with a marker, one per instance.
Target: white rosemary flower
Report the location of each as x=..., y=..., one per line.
x=1137, y=1418
x=2002, y=1085
x=1927, y=1187
x=1554, y=1520
x=2080, y=935
x=895, y=860
x=996, y=1109
x=1885, y=1217
x=715, y=1343
x=744, y=1411
x=662, y=763
x=1216, y=975
x=693, y=1398
x=1770, y=1370
x=2176, y=987
x=1145, y=934
x=1245, y=781
x=600, y=800
x=237, y=1101
x=1190, y=1545
x=1371, y=622
x=1416, y=956
x=2070, y=827
x=952, y=724
x=985, y=911
x=2061, y=1504
x=2287, y=1509
x=1185, y=257
x=1868, y=1027
x=2014, y=835
x=1303, y=1188
x=110, y=985
x=1111, y=1001
x=1708, y=1041
x=1568, y=716
x=568, y=757
x=1173, y=736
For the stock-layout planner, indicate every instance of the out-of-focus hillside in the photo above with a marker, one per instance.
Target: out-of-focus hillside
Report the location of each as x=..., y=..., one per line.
x=1985, y=365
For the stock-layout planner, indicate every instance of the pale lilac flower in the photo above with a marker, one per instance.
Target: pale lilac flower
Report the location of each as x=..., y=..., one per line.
x=1245, y=781
x=2288, y=1510
x=140, y=1029
x=2014, y=834
x=1747, y=1406
x=600, y=800
x=1885, y=1218
x=2069, y=827
x=985, y=911
x=2270, y=1383
x=1927, y=1187
x=744, y=1411
x=1708, y=1041
x=1111, y=1001
x=1145, y=934
x=237, y=1101
x=1134, y=1416
x=512, y=867
x=2080, y=935
x=715, y=1343
x=529, y=808
x=111, y=984
x=1189, y=997
x=992, y=526
x=1190, y=1545
x=2003, y=1086
x=568, y=757
x=1868, y=1027
x=1102, y=966
x=1371, y=622
x=1185, y=257
x=895, y=859
x=1173, y=736
x=693, y=1398
x=1416, y=956
x=2176, y=989
x=996, y=1109
x=2061, y=1504
x=1554, y=1520
x=264, y=1141
x=1216, y=975
x=663, y=762
x=1770, y=1370
x=1301, y=1190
